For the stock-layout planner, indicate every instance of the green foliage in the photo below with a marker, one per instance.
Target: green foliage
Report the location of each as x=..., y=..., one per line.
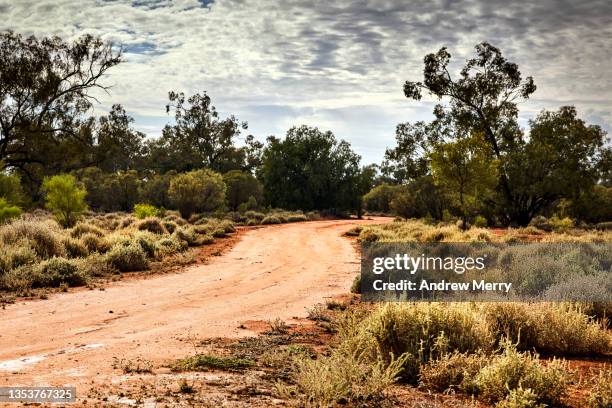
x=420, y=198
x=310, y=169
x=480, y=221
x=242, y=188
x=145, y=210
x=65, y=198
x=10, y=189
x=8, y=211
x=197, y=191
x=380, y=197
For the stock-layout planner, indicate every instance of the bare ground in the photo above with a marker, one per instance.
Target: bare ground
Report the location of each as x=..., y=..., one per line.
x=273, y=272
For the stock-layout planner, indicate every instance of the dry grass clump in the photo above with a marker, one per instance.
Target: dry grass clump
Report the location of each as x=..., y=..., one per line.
x=96, y=265
x=94, y=243
x=270, y=219
x=82, y=228
x=342, y=378
x=16, y=255
x=513, y=370
x=75, y=248
x=601, y=394
x=552, y=328
x=151, y=224
x=453, y=372
x=45, y=237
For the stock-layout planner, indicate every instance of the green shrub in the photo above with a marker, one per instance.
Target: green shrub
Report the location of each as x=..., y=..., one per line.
x=151, y=224
x=64, y=198
x=94, y=243
x=203, y=362
x=197, y=191
x=255, y=215
x=356, y=285
x=56, y=271
x=84, y=228
x=8, y=211
x=480, y=221
x=270, y=219
x=128, y=258
x=252, y=222
x=512, y=370
x=143, y=211
x=541, y=222
x=75, y=248
x=44, y=237
x=561, y=224
x=146, y=242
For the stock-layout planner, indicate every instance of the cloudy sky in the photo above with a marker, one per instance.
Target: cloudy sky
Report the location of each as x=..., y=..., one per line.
x=338, y=65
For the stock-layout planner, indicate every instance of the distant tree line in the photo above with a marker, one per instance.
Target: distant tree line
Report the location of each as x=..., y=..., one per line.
x=46, y=88
x=472, y=160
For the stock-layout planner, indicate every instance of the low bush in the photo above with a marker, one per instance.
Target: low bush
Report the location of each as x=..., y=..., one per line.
x=520, y=398
x=170, y=226
x=296, y=218
x=270, y=219
x=170, y=246
x=16, y=255
x=480, y=221
x=142, y=211
x=175, y=218
x=453, y=372
x=551, y=328
x=146, y=241
x=188, y=235
x=84, y=228
x=128, y=258
x=255, y=215
x=95, y=243
x=202, y=362
x=513, y=370
x=342, y=378
x=56, y=271
x=126, y=222
x=44, y=237
x=96, y=265
x=75, y=248
x=151, y=224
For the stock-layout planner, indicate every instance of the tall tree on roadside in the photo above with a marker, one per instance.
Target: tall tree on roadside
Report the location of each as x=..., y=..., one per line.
x=483, y=100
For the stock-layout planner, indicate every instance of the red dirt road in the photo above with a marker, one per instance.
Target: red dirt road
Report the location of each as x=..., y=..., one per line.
x=278, y=271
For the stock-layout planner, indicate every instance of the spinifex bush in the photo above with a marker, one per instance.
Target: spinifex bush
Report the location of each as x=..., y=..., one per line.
x=85, y=228
x=151, y=224
x=57, y=271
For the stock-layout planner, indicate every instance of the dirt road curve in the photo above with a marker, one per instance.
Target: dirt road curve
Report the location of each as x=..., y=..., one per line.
x=277, y=271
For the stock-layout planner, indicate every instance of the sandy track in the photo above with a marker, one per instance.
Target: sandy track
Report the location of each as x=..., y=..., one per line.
x=277, y=271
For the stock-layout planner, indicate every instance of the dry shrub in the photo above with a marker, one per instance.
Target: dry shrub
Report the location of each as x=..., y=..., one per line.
x=455, y=371
x=94, y=243
x=255, y=215
x=270, y=219
x=513, y=370
x=296, y=218
x=128, y=258
x=45, y=237
x=16, y=255
x=170, y=246
x=170, y=226
x=426, y=331
x=55, y=272
x=126, y=221
x=601, y=394
x=96, y=265
x=344, y=378
x=75, y=248
x=151, y=224
x=84, y=228
x=551, y=328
